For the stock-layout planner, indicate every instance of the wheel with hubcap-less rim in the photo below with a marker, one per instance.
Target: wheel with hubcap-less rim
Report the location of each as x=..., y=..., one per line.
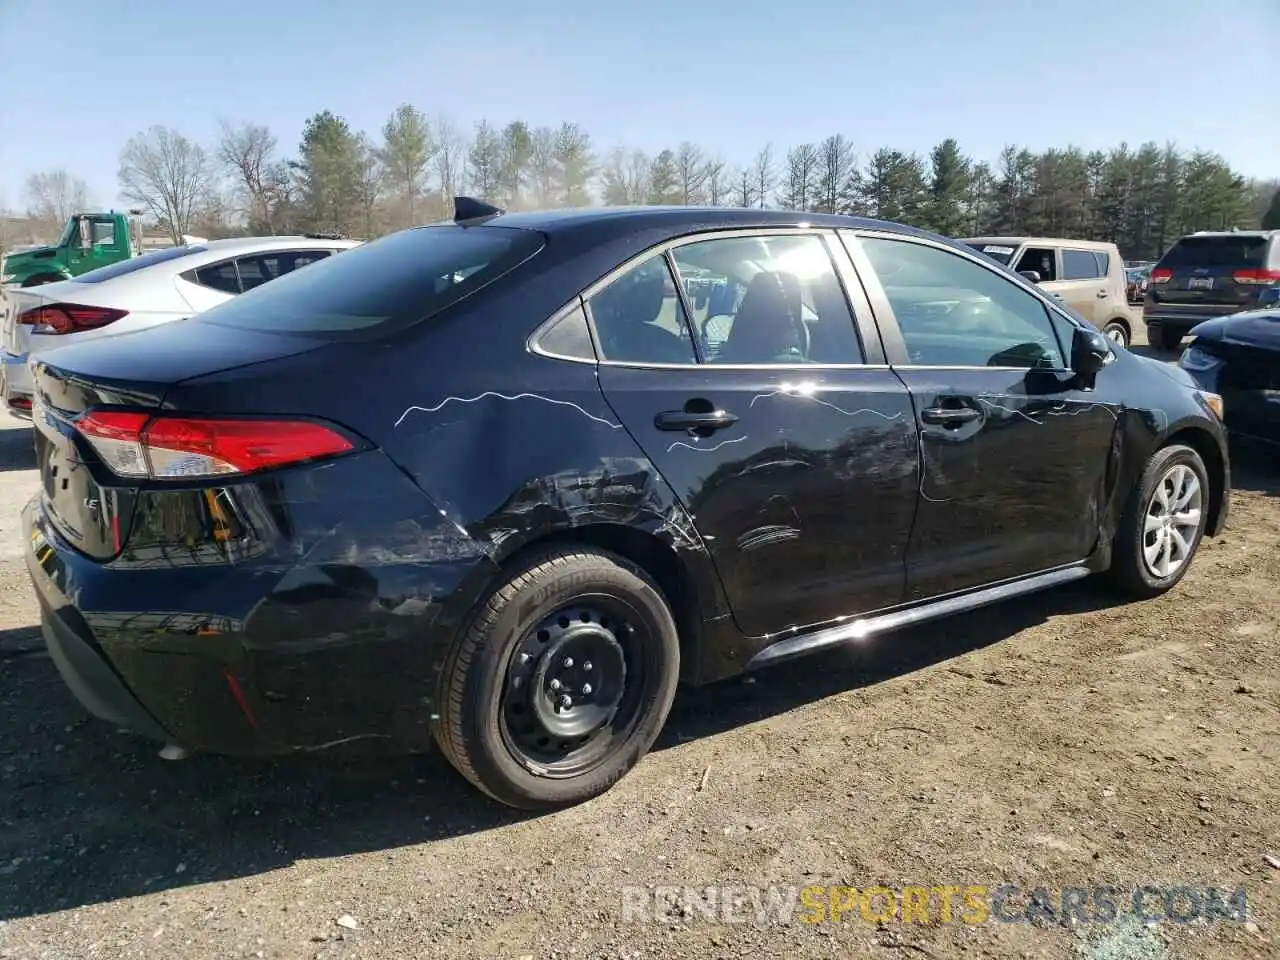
x=562, y=682
x=1163, y=522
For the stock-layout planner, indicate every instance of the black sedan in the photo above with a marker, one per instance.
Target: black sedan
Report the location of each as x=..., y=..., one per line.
x=499, y=484
x=1238, y=357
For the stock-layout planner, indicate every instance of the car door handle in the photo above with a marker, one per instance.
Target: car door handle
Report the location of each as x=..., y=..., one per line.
x=685, y=420
x=950, y=416
x=1102, y=294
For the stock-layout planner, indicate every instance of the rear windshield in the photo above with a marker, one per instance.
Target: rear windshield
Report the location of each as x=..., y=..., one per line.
x=137, y=263
x=394, y=281
x=1232, y=252
x=1001, y=252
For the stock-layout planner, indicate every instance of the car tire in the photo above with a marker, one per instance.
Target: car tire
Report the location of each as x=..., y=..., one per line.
x=1151, y=517
x=502, y=720
x=1167, y=338
x=1118, y=332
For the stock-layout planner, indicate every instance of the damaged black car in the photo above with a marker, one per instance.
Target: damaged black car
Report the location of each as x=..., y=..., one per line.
x=498, y=485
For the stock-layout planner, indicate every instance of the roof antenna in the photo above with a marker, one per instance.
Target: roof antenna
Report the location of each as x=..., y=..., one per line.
x=467, y=209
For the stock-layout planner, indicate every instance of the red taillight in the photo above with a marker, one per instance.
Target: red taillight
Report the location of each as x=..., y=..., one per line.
x=60, y=318
x=163, y=447
x=1257, y=276
x=1161, y=275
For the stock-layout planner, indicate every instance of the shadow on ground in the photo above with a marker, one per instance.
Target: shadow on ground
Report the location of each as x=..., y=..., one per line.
x=89, y=815
x=17, y=446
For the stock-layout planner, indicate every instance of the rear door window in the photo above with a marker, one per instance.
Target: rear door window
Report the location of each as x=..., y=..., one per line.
x=219, y=276
x=1234, y=253
x=1079, y=265
x=398, y=280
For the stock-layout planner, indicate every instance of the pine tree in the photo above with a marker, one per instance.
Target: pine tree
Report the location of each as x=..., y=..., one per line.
x=948, y=188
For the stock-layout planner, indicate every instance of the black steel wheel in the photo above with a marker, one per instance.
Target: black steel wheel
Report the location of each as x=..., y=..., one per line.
x=562, y=682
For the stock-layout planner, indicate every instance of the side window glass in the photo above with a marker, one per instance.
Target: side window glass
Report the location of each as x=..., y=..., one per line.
x=767, y=299
x=255, y=271
x=1041, y=260
x=954, y=312
x=104, y=233
x=1079, y=265
x=219, y=276
x=569, y=337
x=640, y=319
x=1104, y=262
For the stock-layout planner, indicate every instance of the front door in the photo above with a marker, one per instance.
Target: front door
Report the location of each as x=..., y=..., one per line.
x=1014, y=454
x=796, y=459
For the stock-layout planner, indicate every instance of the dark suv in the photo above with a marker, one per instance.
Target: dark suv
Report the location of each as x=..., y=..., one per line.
x=1206, y=275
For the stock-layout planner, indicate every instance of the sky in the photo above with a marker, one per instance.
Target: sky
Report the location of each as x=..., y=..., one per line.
x=78, y=77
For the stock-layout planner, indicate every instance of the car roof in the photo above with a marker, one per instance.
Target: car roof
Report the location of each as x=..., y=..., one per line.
x=1232, y=233
x=615, y=221
x=1044, y=241
x=234, y=246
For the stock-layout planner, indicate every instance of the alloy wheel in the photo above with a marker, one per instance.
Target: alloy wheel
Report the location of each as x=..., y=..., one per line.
x=1172, y=521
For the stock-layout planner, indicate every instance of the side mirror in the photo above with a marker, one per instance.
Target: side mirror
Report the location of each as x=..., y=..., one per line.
x=85, y=233
x=1032, y=275
x=1090, y=352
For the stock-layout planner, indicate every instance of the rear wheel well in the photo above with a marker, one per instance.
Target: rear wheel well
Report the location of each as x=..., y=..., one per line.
x=648, y=553
x=1203, y=443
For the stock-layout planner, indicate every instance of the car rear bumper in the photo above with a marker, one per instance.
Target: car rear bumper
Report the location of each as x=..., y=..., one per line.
x=296, y=647
x=15, y=383
x=1183, y=318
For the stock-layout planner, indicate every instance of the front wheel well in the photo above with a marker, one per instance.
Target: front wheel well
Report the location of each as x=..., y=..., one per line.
x=1203, y=443
x=647, y=552
x=1121, y=321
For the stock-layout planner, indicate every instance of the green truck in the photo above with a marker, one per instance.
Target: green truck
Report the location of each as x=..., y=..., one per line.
x=88, y=241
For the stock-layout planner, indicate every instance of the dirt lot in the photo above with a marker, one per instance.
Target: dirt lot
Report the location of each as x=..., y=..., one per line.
x=1061, y=740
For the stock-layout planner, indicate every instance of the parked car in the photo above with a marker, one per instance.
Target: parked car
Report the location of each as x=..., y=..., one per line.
x=143, y=291
x=1136, y=279
x=1238, y=357
x=1207, y=275
x=546, y=492
x=1085, y=275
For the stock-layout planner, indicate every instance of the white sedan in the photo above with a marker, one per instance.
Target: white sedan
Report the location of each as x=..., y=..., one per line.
x=157, y=287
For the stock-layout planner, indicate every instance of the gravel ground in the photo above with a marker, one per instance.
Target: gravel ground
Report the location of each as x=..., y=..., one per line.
x=1059, y=740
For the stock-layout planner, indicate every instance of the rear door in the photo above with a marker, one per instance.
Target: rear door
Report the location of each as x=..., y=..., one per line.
x=1013, y=454
x=1214, y=273
x=769, y=410
x=1082, y=285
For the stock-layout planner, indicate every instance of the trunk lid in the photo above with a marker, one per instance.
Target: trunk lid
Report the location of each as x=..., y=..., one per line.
x=85, y=502
x=1203, y=270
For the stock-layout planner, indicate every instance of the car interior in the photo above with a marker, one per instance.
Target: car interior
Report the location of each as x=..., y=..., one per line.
x=746, y=307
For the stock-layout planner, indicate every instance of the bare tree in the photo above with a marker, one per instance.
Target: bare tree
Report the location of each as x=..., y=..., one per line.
x=168, y=174
x=719, y=182
x=763, y=174
x=836, y=165
x=691, y=173
x=801, y=186
x=744, y=189
x=54, y=196
x=542, y=166
x=450, y=161
x=247, y=153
